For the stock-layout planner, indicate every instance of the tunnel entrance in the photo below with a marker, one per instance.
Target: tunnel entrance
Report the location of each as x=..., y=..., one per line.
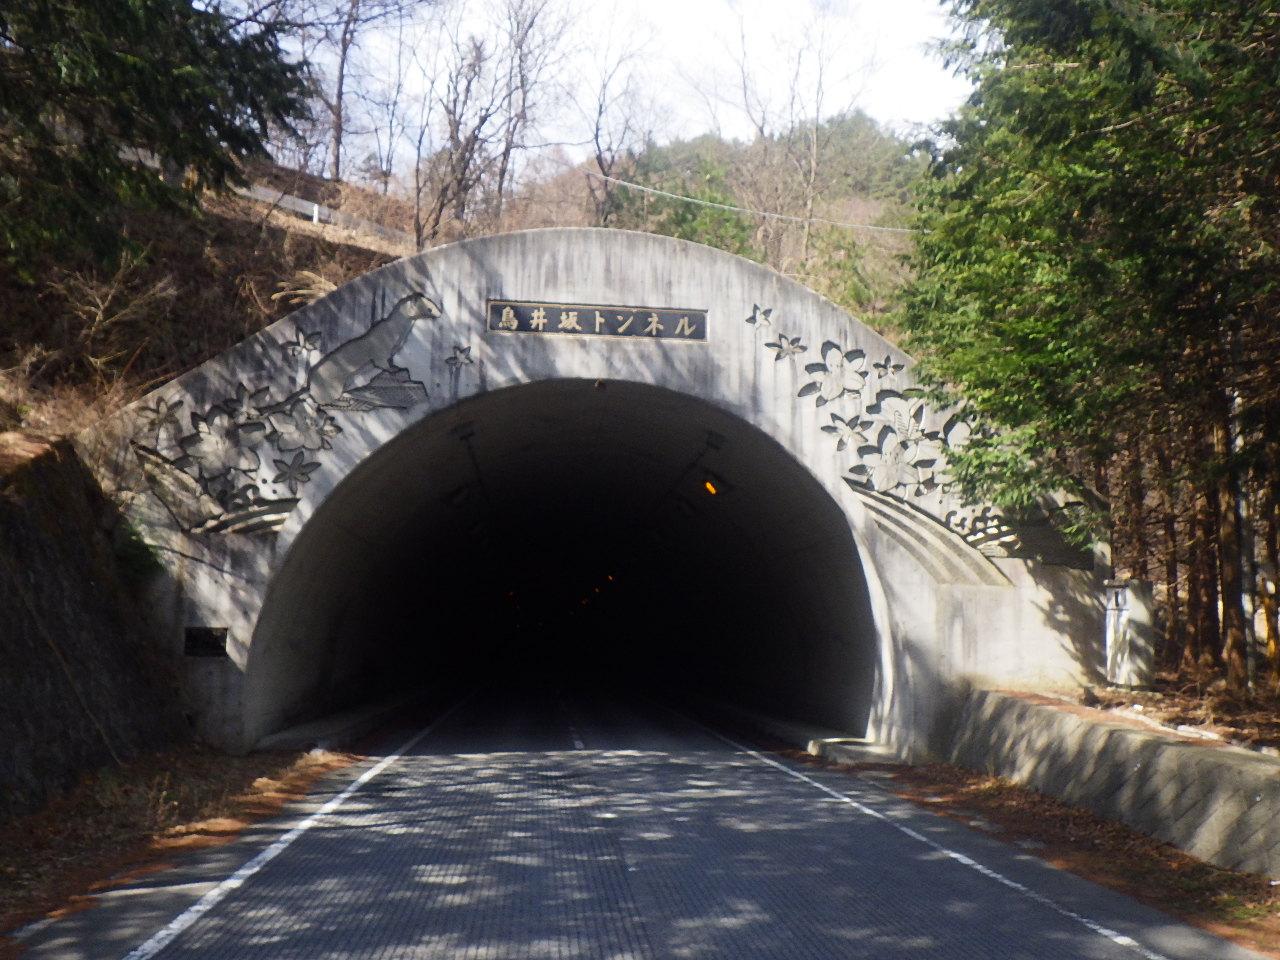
x=425, y=477
x=603, y=535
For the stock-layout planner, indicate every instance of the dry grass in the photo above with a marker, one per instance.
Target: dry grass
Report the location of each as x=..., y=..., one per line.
x=335, y=234
x=88, y=339
x=122, y=822
x=387, y=210
x=1204, y=705
x=54, y=410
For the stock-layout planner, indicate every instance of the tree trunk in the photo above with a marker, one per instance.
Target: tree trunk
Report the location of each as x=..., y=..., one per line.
x=1192, y=637
x=419, y=228
x=1210, y=626
x=337, y=107
x=1135, y=494
x=1271, y=558
x=1230, y=582
x=1174, y=640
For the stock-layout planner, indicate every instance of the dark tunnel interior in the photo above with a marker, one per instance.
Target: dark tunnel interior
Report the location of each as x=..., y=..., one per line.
x=609, y=536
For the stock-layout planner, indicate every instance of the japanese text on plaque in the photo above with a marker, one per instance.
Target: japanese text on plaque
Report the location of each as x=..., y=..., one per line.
x=596, y=320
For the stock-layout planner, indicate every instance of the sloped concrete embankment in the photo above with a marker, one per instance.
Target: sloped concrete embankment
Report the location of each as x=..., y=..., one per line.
x=1218, y=803
x=81, y=684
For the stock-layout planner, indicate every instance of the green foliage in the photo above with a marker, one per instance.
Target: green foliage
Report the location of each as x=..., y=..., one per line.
x=136, y=559
x=840, y=268
x=695, y=169
x=87, y=86
x=863, y=160
x=1100, y=216
x=861, y=172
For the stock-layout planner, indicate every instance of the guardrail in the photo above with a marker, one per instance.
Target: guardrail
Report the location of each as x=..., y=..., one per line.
x=319, y=213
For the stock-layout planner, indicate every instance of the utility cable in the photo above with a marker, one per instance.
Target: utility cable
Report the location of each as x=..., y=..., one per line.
x=755, y=213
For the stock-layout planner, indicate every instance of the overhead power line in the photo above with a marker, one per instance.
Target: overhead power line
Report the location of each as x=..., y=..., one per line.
x=755, y=213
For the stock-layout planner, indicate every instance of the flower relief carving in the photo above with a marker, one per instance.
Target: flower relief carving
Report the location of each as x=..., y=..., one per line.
x=461, y=357
x=901, y=457
x=882, y=420
x=241, y=463
x=838, y=374
x=785, y=347
x=301, y=352
x=760, y=317
x=888, y=368
x=848, y=432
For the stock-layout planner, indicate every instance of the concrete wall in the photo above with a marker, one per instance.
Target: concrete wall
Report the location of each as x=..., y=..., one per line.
x=1221, y=804
x=226, y=468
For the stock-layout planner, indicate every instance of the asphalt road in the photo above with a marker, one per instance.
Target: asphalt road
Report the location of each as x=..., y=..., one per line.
x=550, y=826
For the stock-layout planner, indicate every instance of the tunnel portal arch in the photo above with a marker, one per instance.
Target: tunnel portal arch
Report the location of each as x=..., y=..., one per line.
x=613, y=533
x=247, y=473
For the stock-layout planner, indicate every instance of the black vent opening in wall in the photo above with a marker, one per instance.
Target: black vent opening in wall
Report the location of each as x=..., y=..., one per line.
x=205, y=642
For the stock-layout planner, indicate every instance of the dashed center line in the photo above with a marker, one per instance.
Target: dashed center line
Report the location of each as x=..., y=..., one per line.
x=573, y=730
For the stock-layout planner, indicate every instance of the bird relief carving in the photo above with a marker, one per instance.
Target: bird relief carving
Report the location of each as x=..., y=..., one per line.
x=239, y=465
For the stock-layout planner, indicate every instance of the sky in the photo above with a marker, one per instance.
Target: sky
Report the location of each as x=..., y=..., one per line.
x=684, y=58
x=875, y=55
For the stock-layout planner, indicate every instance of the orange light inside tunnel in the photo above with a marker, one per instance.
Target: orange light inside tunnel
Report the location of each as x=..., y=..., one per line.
x=711, y=487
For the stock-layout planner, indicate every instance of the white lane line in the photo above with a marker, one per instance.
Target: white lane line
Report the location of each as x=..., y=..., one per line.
x=31, y=929
x=1113, y=935
x=168, y=933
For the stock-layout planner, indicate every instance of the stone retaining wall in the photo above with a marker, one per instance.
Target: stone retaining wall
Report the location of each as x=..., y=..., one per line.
x=81, y=682
x=1220, y=804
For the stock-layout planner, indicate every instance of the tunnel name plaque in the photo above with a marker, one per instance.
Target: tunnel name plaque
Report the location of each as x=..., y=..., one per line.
x=668, y=324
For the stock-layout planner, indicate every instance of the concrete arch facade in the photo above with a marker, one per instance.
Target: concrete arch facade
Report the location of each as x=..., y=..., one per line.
x=585, y=380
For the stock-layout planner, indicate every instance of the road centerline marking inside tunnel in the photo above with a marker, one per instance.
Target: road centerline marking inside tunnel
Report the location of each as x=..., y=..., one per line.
x=1094, y=926
x=170, y=931
x=573, y=730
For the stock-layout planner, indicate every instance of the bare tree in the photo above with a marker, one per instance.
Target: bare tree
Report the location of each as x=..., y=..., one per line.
x=383, y=94
x=340, y=30
x=534, y=40
x=786, y=164
x=304, y=147
x=417, y=131
x=326, y=34
x=468, y=106
x=486, y=92
x=618, y=133
x=616, y=112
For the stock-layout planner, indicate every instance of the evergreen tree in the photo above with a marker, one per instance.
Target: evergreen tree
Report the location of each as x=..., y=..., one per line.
x=1098, y=274
x=90, y=89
